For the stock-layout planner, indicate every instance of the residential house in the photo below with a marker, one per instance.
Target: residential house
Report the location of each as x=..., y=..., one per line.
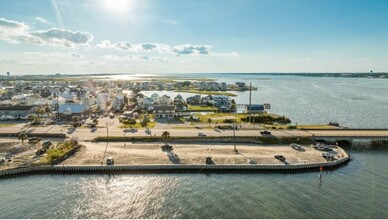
x=164, y=111
x=118, y=102
x=208, y=100
x=179, y=100
x=169, y=86
x=222, y=101
x=165, y=100
x=155, y=98
x=194, y=100
x=103, y=99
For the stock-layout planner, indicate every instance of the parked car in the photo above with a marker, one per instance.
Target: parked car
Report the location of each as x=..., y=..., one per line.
x=200, y=134
x=2, y=160
x=280, y=157
x=110, y=161
x=209, y=160
x=34, y=140
x=296, y=147
x=166, y=147
x=265, y=133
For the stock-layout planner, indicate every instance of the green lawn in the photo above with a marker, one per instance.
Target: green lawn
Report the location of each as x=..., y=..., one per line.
x=138, y=125
x=201, y=108
x=7, y=125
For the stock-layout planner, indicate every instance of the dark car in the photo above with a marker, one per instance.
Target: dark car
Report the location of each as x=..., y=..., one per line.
x=280, y=157
x=265, y=133
x=166, y=147
x=209, y=160
x=34, y=140
x=110, y=161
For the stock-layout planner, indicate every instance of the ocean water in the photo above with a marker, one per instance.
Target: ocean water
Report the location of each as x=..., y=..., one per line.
x=357, y=190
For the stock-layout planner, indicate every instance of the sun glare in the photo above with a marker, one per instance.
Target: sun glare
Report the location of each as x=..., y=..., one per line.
x=117, y=5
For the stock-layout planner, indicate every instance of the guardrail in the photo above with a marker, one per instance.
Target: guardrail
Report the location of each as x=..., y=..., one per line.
x=180, y=168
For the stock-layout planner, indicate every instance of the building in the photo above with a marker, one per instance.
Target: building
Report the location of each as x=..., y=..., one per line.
x=165, y=100
x=155, y=98
x=255, y=109
x=102, y=99
x=118, y=102
x=17, y=111
x=68, y=110
x=194, y=100
x=222, y=101
x=164, y=111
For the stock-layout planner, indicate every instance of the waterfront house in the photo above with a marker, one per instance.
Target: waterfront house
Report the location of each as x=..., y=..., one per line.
x=155, y=98
x=164, y=111
x=194, y=100
x=207, y=100
x=222, y=101
x=165, y=100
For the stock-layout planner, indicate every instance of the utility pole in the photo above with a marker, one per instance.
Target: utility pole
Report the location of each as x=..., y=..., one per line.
x=107, y=140
x=250, y=102
x=234, y=134
x=58, y=107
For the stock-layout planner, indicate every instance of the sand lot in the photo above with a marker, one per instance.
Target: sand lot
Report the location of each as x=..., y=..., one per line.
x=149, y=153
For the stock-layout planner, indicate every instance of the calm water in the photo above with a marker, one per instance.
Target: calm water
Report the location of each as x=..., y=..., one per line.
x=352, y=102
x=358, y=190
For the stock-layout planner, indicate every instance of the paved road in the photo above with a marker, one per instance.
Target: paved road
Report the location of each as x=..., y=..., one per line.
x=87, y=134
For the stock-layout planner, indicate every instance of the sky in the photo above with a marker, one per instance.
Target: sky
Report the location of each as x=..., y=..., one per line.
x=201, y=36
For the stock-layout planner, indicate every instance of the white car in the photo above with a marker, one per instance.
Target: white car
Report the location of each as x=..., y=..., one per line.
x=200, y=134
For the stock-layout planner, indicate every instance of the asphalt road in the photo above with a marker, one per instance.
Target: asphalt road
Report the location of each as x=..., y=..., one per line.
x=87, y=133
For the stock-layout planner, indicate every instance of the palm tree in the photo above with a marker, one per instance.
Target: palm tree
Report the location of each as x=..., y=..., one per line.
x=165, y=136
x=22, y=136
x=209, y=120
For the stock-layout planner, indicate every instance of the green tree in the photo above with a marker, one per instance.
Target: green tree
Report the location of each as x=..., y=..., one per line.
x=129, y=122
x=22, y=136
x=165, y=136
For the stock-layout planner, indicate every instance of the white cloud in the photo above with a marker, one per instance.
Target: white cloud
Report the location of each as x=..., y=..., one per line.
x=17, y=32
x=127, y=58
x=191, y=49
x=62, y=37
x=42, y=20
x=156, y=47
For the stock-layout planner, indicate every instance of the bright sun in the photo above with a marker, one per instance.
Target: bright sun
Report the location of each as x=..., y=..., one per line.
x=117, y=5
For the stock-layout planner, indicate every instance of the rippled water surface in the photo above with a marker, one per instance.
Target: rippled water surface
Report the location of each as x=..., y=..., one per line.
x=358, y=190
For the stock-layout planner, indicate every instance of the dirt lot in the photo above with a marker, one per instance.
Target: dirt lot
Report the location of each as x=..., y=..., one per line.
x=139, y=153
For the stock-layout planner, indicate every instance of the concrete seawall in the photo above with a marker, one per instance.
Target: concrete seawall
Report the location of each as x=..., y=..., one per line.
x=247, y=168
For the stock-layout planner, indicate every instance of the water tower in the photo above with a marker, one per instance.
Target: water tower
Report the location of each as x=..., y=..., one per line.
x=8, y=74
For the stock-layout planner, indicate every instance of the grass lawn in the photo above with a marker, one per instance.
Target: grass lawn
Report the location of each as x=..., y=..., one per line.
x=138, y=125
x=220, y=117
x=7, y=125
x=201, y=108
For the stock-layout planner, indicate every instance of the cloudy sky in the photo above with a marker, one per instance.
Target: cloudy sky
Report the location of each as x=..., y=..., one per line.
x=182, y=36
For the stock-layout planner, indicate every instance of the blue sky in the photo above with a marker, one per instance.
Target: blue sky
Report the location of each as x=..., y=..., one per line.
x=171, y=36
